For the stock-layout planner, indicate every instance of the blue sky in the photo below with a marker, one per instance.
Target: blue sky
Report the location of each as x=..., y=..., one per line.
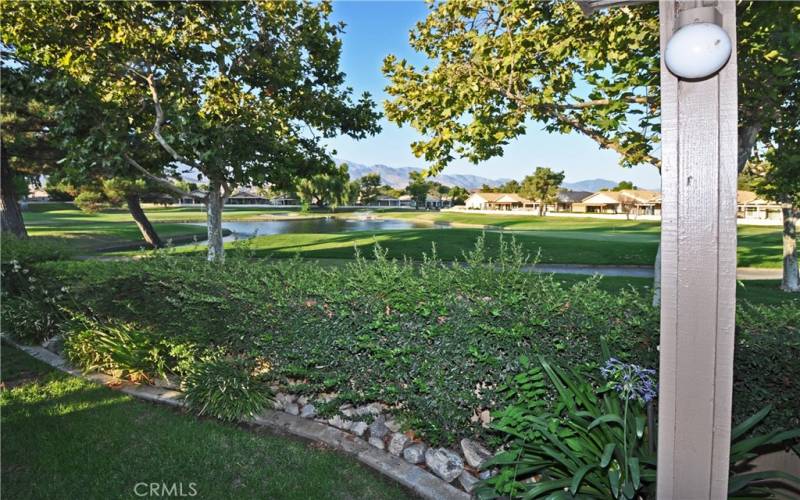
x=375, y=29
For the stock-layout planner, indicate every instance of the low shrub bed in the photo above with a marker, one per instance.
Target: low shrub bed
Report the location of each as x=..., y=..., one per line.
x=437, y=342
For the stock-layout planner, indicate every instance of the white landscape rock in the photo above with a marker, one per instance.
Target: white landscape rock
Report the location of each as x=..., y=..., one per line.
x=486, y=474
x=444, y=463
x=393, y=425
x=474, y=452
x=415, y=454
x=340, y=423
x=292, y=409
x=359, y=428
x=467, y=481
x=308, y=411
x=371, y=409
x=398, y=443
x=376, y=442
x=378, y=429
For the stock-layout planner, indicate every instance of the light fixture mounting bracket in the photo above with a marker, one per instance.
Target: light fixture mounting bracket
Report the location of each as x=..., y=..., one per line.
x=698, y=15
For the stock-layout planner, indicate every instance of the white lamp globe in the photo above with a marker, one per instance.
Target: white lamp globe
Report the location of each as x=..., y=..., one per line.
x=697, y=51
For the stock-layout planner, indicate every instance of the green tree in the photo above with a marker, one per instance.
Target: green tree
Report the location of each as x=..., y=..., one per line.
x=542, y=187
x=418, y=188
x=511, y=186
x=459, y=195
x=26, y=148
x=500, y=65
x=231, y=87
x=777, y=177
x=370, y=188
x=331, y=189
x=624, y=185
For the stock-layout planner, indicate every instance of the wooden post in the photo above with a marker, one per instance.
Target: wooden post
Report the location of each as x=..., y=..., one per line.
x=698, y=271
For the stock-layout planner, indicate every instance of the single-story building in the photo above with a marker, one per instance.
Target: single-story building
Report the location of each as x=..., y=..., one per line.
x=244, y=197
x=750, y=206
x=406, y=201
x=565, y=199
x=497, y=201
x=191, y=200
x=626, y=201
x=284, y=200
x=384, y=200
x=438, y=201
x=36, y=193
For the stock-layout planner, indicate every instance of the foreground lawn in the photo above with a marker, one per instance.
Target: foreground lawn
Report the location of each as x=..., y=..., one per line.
x=67, y=438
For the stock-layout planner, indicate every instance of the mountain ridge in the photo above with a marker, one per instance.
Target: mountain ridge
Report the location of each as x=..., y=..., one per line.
x=397, y=177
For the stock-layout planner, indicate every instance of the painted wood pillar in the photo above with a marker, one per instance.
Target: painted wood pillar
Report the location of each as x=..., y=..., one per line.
x=698, y=271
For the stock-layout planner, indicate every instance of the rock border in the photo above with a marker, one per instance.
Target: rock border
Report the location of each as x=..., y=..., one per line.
x=413, y=477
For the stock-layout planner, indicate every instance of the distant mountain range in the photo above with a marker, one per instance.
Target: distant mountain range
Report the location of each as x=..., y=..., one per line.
x=397, y=177
x=589, y=185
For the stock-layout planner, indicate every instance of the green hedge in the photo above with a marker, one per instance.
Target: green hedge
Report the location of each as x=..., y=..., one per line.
x=434, y=339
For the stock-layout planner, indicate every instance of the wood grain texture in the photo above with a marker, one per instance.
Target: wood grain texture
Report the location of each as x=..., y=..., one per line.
x=698, y=240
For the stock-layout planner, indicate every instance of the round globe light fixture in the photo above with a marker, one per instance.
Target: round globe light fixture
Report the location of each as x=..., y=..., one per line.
x=700, y=47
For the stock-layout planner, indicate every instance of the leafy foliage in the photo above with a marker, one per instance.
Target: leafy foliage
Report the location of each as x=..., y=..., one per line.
x=499, y=64
x=589, y=442
x=225, y=388
x=121, y=349
x=30, y=250
x=435, y=339
x=542, y=186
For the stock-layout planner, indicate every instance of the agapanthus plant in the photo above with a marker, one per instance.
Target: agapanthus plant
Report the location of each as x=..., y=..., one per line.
x=631, y=381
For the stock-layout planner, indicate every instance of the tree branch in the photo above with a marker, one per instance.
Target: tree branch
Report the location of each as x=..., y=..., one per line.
x=165, y=183
x=160, y=121
x=602, y=140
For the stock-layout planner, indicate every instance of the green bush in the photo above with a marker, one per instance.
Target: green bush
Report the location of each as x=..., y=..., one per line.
x=433, y=339
x=591, y=442
x=226, y=388
x=31, y=304
x=25, y=251
x=120, y=349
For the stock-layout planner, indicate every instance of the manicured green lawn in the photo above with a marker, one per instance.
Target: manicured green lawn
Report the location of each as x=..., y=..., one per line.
x=561, y=240
x=101, y=231
x=67, y=438
x=754, y=291
x=452, y=243
x=557, y=246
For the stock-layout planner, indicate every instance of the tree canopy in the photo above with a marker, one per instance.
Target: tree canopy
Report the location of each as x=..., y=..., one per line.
x=542, y=186
x=496, y=65
x=243, y=92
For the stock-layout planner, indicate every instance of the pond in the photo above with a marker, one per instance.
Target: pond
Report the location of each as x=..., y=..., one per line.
x=320, y=225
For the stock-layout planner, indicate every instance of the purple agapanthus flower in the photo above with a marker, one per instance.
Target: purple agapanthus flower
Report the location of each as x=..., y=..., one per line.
x=630, y=381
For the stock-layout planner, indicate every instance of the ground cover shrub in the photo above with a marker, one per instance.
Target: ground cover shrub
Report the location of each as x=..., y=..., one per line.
x=436, y=341
x=226, y=388
x=591, y=441
x=121, y=349
x=29, y=250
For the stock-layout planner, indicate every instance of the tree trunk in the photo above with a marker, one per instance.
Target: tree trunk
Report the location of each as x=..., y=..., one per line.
x=791, y=274
x=541, y=209
x=657, y=278
x=214, y=203
x=10, y=212
x=148, y=231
